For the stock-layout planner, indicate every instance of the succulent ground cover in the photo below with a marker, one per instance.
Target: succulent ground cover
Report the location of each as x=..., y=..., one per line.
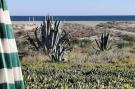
x=78, y=76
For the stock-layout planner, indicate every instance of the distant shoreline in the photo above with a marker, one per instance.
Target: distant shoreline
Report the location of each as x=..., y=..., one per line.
x=90, y=23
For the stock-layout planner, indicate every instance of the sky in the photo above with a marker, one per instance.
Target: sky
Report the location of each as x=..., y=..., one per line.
x=71, y=7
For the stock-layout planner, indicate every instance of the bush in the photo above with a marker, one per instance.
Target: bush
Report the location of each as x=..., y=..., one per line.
x=81, y=42
x=124, y=44
x=128, y=38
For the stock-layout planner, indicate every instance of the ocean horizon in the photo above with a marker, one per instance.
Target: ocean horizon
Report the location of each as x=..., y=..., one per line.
x=76, y=18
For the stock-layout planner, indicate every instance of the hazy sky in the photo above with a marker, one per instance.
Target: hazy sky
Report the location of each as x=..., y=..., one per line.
x=71, y=7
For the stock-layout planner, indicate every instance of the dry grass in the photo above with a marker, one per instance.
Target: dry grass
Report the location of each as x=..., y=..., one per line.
x=37, y=57
x=131, y=61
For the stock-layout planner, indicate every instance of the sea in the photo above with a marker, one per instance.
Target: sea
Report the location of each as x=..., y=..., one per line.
x=76, y=18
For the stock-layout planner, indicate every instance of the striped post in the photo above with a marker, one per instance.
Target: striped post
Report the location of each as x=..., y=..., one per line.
x=10, y=70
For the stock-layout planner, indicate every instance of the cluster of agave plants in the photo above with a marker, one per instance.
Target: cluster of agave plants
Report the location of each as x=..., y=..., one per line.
x=51, y=40
x=54, y=41
x=76, y=76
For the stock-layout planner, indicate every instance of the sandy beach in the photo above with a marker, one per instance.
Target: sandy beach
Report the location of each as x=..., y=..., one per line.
x=91, y=23
x=82, y=26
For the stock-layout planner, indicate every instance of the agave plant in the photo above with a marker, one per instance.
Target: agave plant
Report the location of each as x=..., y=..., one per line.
x=51, y=40
x=103, y=42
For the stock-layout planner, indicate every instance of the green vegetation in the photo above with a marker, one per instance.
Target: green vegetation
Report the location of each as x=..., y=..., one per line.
x=127, y=41
x=78, y=76
x=81, y=42
x=125, y=44
x=128, y=38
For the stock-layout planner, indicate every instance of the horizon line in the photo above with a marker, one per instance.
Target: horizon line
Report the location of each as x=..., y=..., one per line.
x=72, y=15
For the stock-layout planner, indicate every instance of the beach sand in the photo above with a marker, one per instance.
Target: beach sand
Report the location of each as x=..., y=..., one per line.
x=91, y=23
x=82, y=28
x=26, y=25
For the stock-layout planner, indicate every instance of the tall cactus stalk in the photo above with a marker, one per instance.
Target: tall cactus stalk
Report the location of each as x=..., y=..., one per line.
x=103, y=43
x=50, y=39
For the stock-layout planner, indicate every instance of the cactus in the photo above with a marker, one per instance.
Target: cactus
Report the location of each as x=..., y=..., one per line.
x=51, y=40
x=102, y=44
